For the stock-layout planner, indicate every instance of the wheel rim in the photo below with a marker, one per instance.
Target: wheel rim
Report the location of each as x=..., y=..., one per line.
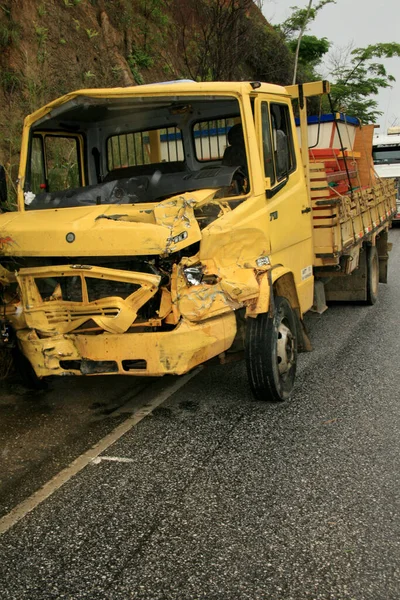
x=285, y=349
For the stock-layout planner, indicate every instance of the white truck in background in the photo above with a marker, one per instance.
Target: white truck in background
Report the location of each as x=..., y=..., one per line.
x=386, y=156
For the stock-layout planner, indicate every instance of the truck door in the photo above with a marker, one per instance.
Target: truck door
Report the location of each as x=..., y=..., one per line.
x=289, y=212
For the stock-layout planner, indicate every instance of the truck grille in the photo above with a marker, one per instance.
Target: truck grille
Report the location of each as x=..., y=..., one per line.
x=60, y=299
x=63, y=315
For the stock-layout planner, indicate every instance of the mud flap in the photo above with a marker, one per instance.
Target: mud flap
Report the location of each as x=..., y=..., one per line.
x=319, y=305
x=349, y=288
x=383, y=248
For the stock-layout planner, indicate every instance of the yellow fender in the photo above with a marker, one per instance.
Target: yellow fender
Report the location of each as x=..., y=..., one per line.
x=278, y=281
x=281, y=281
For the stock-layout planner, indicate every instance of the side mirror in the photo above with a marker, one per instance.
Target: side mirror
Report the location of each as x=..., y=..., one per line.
x=3, y=187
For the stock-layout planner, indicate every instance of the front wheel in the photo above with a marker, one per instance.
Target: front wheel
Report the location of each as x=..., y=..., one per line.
x=271, y=353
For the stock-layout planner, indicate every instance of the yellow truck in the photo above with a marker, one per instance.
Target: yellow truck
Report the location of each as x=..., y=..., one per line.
x=162, y=225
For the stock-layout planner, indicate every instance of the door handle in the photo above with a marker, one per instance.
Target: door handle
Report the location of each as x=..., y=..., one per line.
x=306, y=210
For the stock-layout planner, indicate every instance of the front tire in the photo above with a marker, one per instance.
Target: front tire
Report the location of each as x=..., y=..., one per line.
x=271, y=353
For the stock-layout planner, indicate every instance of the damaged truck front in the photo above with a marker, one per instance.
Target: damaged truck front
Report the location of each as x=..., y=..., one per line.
x=146, y=239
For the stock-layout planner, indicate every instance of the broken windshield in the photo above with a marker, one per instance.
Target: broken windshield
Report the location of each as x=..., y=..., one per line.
x=121, y=151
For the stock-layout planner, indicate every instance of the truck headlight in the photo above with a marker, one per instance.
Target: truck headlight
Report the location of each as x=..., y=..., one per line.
x=263, y=261
x=194, y=274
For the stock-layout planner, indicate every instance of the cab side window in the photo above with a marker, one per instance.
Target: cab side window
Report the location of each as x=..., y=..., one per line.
x=55, y=163
x=266, y=140
x=62, y=159
x=277, y=138
x=38, y=172
x=282, y=140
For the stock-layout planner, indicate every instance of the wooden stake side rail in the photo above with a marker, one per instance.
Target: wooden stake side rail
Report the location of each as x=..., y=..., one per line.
x=342, y=220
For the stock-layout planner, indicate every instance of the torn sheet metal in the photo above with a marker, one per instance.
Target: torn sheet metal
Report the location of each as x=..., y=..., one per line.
x=140, y=229
x=157, y=353
x=177, y=215
x=232, y=287
x=54, y=315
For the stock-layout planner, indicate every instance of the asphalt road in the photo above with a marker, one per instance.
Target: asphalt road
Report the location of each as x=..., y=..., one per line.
x=220, y=497
x=41, y=432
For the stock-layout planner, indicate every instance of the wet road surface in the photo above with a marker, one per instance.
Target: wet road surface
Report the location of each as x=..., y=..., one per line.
x=219, y=497
x=41, y=432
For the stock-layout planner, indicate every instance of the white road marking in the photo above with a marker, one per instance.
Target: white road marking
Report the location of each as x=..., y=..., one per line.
x=28, y=505
x=119, y=459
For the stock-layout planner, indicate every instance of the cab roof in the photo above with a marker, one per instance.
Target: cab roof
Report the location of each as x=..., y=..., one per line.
x=162, y=89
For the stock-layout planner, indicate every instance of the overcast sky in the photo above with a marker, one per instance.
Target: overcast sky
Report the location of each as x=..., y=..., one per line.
x=363, y=22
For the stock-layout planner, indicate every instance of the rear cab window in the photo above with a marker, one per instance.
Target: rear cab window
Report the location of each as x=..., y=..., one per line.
x=136, y=149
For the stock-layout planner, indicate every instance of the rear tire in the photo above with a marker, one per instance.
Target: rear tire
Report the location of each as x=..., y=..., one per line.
x=271, y=353
x=372, y=275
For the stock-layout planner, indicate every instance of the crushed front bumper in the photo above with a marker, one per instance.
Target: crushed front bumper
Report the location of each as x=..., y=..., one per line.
x=152, y=353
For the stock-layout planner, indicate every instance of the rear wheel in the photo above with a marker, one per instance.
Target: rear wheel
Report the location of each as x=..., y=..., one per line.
x=271, y=353
x=372, y=275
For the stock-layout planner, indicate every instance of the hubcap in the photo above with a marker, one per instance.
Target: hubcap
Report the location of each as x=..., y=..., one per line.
x=285, y=349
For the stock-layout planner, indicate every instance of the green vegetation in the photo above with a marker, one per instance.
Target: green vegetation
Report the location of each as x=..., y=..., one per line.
x=41, y=34
x=138, y=59
x=62, y=164
x=41, y=10
x=357, y=78
x=307, y=50
x=88, y=75
x=10, y=33
x=91, y=33
x=355, y=73
x=10, y=81
x=8, y=142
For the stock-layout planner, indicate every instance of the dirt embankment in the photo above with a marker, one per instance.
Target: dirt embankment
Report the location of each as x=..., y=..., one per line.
x=50, y=47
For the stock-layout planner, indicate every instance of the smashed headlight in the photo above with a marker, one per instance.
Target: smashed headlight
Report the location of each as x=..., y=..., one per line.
x=194, y=274
x=263, y=261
